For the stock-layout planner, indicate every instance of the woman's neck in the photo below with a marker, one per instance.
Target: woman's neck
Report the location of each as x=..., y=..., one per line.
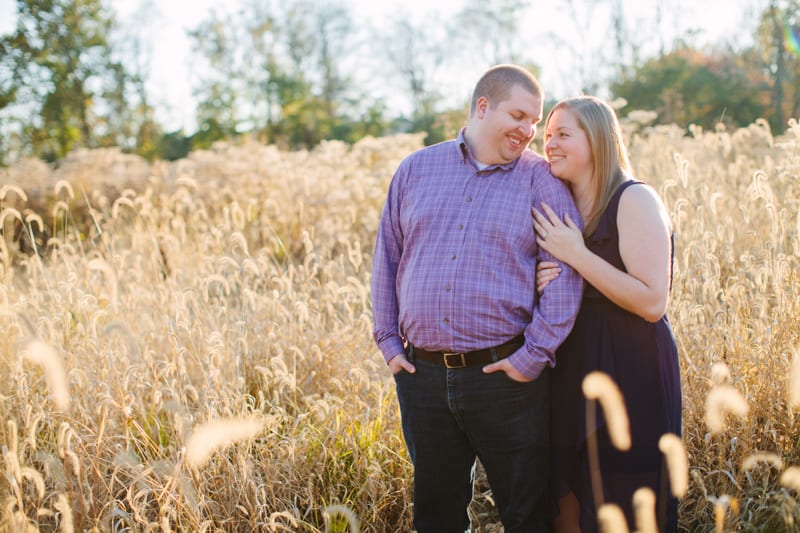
x=584, y=201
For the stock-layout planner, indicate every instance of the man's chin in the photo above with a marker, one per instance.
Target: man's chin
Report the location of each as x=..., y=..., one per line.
x=513, y=154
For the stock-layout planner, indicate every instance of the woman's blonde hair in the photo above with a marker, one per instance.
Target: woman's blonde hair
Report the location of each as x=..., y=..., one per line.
x=609, y=155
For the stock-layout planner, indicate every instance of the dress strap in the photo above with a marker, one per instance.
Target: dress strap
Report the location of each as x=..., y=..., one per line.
x=613, y=204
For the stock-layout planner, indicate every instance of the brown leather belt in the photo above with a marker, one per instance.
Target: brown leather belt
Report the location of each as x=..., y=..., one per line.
x=464, y=359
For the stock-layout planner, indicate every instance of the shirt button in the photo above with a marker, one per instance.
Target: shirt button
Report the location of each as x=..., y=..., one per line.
x=447, y=288
x=469, y=199
x=446, y=320
x=461, y=226
x=453, y=258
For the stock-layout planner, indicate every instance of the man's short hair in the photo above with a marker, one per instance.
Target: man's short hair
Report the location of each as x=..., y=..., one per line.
x=496, y=84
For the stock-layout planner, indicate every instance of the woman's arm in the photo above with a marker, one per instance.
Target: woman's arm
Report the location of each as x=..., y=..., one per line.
x=644, y=245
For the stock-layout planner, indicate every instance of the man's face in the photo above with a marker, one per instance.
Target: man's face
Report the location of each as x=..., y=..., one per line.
x=506, y=130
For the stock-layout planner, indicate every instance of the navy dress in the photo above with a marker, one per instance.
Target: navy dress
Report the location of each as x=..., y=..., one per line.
x=642, y=358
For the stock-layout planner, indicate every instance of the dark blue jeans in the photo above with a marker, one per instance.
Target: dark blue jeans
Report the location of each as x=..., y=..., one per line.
x=449, y=417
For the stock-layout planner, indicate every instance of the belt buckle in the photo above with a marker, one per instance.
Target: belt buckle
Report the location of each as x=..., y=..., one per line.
x=460, y=362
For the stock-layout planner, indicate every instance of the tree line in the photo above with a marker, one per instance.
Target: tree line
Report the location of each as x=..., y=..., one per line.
x=297, y=72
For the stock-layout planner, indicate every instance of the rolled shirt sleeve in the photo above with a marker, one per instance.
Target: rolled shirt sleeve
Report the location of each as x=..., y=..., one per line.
x=556, y=309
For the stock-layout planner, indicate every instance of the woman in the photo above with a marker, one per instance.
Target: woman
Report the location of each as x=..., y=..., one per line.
x=625, y=256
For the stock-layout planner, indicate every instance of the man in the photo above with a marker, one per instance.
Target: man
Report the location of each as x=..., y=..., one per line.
x=456, y=314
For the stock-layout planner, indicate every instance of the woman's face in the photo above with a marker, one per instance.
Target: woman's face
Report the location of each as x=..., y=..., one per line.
x=567, y=147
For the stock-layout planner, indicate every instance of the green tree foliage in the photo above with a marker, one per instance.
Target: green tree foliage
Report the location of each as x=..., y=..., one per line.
x=174, y=145
x=415, y=52
x=778, y=51
x=297, y=72
x=136, y=118
x=686, y=86
x=216, y=40
x=733, y=87
x=61, y=86
x=276, y=71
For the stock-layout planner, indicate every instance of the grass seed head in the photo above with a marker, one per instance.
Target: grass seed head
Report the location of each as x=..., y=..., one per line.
x=791, y=478
x=611, y=519
x=794, y=380
x=212, y=436
x=41, y=353
x=63, y=507
x=754, y=459
x=346, y=512
x=677, y=462
x=599, y=386
x=644, y=508
x=720, y=373
x=721, y=401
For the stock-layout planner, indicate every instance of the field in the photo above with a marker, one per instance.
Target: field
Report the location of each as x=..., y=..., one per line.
x=187, y=346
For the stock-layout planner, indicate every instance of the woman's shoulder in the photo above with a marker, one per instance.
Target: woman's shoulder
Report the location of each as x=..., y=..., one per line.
x=638, y=200
x=638, y=192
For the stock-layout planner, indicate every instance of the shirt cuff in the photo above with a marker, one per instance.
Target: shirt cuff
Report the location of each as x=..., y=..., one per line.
x=392, y=347
x=523, y=361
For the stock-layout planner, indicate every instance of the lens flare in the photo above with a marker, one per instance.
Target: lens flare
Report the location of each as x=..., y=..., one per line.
x=791, y=36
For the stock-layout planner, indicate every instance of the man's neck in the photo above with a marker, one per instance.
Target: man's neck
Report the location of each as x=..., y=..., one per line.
x=476, y=154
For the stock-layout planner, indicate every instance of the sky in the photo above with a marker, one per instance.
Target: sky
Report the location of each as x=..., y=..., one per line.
x=548, y=27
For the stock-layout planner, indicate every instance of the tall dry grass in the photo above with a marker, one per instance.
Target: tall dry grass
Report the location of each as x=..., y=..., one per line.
x=230, y=288
x=209, y=323
x=734, y=198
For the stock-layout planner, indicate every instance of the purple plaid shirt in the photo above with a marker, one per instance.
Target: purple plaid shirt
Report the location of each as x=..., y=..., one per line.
x=455, y=258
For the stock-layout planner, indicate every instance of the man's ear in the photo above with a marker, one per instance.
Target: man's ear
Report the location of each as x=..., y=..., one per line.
x=481, y=105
